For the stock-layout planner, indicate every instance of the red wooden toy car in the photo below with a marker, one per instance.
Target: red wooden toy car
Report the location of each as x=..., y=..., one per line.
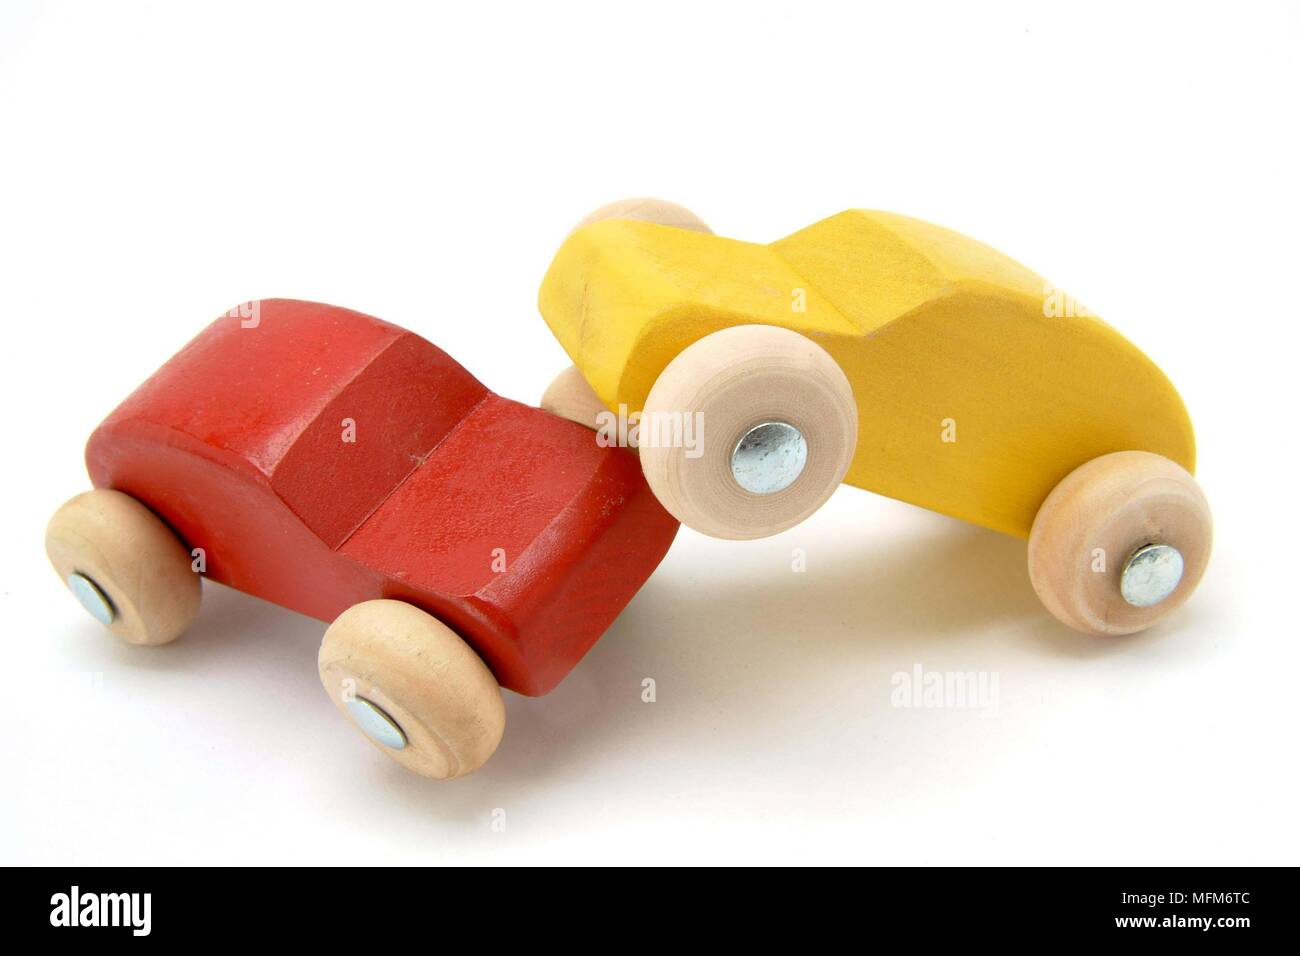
x=348, y=469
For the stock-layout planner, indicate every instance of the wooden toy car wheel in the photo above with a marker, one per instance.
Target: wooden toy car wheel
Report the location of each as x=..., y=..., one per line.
x=413, y=687
x=1121, y=542
x=658, y=211
x=125, y=566
x=569, y=396
x=748, y=431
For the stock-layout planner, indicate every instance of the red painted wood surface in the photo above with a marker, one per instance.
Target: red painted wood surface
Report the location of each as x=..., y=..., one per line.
x=237, y=442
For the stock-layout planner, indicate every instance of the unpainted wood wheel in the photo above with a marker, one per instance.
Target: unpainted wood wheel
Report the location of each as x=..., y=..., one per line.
x=774, y=425
x=1120, y=543
x=647, y=210
x=125, y=566
x=569, y=396
x=413, y=687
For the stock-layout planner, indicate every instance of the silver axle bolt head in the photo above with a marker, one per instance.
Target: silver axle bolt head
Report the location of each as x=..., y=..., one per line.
x=375, y=723
x=769, y=457
x=1151, y=574
x=91, y=597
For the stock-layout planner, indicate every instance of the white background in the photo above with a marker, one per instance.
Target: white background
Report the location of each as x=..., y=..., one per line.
x=163, y=162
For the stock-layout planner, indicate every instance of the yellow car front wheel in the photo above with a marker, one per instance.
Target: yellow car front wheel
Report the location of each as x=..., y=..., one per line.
x=747, y=432
x=659, y=211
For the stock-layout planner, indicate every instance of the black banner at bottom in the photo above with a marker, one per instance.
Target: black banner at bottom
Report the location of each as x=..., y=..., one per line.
x=335, y=906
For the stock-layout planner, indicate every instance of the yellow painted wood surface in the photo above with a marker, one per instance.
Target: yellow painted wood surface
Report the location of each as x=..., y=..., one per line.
x=940, y=336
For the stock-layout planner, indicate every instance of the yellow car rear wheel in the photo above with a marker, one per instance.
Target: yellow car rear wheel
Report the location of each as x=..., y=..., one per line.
x=1120, y=543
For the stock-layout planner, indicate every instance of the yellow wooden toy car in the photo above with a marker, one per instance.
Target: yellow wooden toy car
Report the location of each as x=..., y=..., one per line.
x=896, y=356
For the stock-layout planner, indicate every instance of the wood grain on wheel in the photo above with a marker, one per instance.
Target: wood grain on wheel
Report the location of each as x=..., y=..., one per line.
x=569, y=396
x=133, y=558
x=648, y=210
x=428, y=680
x=734, y=380
x=1097, y=517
